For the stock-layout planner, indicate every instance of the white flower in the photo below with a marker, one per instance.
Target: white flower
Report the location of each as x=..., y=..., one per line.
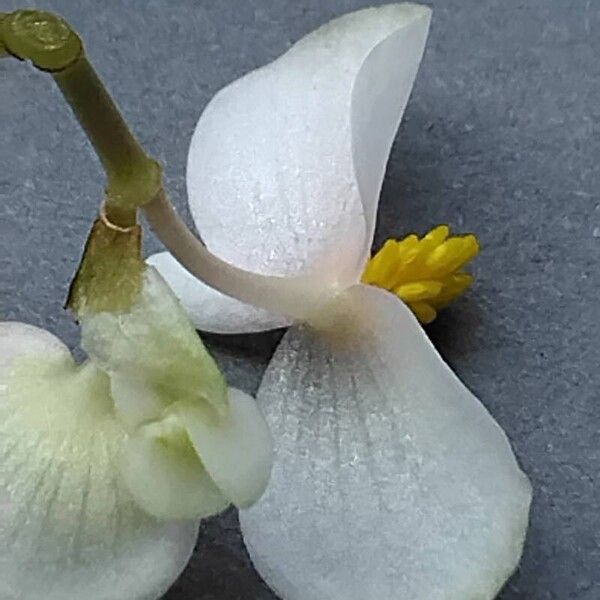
x=391, y=480
x=105, y=467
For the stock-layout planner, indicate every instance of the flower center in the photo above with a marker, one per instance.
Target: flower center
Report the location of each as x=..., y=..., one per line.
x=426, y=272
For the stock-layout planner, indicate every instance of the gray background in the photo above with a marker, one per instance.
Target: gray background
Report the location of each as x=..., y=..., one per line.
x=500, y=138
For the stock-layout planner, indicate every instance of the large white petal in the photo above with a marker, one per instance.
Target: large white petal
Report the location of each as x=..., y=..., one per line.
x=68, y=527
x=207, y=308
x=277, y=175
x=390, y=480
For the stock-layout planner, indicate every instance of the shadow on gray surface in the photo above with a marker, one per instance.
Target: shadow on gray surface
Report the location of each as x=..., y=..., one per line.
x=218, y=570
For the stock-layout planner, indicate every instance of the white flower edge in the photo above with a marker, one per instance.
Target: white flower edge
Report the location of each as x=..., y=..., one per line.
x=391, y=480
x=286, y=164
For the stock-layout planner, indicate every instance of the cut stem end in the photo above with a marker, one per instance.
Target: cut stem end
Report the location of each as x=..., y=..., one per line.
x=40, y=37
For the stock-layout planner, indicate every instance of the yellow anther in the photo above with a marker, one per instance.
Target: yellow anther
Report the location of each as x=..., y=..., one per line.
x=423, y=311
x=419, y=290
x=438, y=234
x=426, y=272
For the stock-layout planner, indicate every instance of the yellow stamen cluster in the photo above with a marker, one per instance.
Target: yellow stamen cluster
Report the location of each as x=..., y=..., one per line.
x=426, y=272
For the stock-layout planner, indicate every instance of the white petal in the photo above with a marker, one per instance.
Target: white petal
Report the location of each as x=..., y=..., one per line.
x=237, y=450
x=277, y=173
x=379, y=97
x=390, y=479
x=18, y=340
x=207, y=308
x=167, y=479
x=194, y=462
x=68, y=527
x=135, y=400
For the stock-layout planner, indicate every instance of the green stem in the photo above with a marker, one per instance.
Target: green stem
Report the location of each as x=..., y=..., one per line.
x=53, y=46
x=133, y=177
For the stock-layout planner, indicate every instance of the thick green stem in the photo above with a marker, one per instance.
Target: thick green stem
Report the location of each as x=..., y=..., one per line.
x=53, y=46
x=133, y=177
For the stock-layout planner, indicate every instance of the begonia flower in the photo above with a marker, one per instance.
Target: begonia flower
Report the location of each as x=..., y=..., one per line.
x=391, y=479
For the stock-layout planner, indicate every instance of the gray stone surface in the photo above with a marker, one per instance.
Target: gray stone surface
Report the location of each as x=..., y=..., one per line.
x=500, y=138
